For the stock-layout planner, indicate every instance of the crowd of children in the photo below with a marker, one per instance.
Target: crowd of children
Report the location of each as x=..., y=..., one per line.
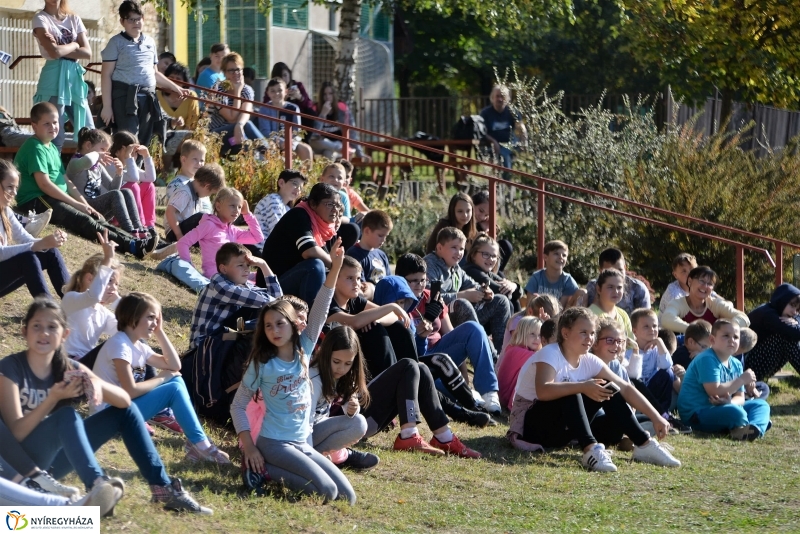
x=336, y=345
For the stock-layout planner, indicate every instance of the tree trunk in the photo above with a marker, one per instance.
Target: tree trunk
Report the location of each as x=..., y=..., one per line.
x=726, y=109
x=346, y=55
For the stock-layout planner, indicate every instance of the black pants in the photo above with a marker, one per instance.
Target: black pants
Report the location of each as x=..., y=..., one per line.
x=506, y=250
x=406, y=389
x=78, y=222
x=28, y=269
x=557, y=422
x=186, y=226
x=442, y=367
x=383, y=346
x=660, y=388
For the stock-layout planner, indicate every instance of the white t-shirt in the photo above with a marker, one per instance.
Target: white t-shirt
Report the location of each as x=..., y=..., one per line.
x=526, y=381
x=120, y=347
x=588, y=367
x=63, y=31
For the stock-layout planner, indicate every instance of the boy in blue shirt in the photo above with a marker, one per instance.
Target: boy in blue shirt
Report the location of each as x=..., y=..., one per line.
x=376, y=226
x=552, y=280
x=712, y=397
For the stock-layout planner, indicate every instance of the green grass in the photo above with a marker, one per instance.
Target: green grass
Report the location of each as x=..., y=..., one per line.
x=723, y=486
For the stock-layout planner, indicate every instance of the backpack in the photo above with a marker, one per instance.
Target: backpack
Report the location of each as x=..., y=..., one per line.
x=433, y=156
x=469, y=127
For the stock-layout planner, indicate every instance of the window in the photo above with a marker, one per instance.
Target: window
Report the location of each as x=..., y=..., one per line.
x=246, y=27
x=203, y=32
x=376, y=22
x=290, y=14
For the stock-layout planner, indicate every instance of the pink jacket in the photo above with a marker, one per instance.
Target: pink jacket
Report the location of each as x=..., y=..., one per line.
x=212, y=233
x=514, y=358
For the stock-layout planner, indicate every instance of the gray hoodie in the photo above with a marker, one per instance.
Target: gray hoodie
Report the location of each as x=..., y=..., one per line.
x=90, y=177
x=453, y=279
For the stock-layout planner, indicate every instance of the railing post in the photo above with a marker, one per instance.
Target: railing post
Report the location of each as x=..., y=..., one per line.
x=540, y=200
x=739, y=277
x=287, y=146
x=346, y=142
x=778, y=264
x=492, y=208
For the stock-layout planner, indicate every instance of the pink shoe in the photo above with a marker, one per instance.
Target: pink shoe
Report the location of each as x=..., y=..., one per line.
x=167, y=422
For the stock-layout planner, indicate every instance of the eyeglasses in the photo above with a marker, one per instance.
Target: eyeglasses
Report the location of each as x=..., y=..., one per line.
x=234, y=71
x=489, y=256
x=134, y=20
x=705, y=283
x=614, y=341
x=331, y=205
x=417, y=281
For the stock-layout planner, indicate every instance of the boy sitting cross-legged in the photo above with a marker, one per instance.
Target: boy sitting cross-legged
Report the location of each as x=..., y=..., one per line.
x=552, y=280
x=490, y=310
x=375, y=227
x=229, y=295
x=43, y=185
x=712, y=398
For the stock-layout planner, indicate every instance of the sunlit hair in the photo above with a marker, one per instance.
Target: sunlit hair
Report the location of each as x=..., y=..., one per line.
x=684, y=257
x=225, y=194
x=7, y=170
x=470, y=229
x=569, y=317
x=484, y=240
x=604, y=325
x=120, y=140
x=233, y=57
x=354, y=382
x=641, y=313
x=721, y=323
x=526, y=326
x=263, y=350
x=92, y=136
x=299, y=305
x=90, y=266
x=60, y=361
x=132, y=307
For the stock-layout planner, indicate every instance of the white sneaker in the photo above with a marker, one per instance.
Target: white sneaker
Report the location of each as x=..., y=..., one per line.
x=656, y=453
x=37, y=222
x=598, y=459
x=44, y=483
x=491, y=403
x=478, y=399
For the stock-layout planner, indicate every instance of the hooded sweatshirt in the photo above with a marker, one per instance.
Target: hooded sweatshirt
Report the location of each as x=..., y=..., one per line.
x=766, y=319
x=212, y=233
x=393, y=288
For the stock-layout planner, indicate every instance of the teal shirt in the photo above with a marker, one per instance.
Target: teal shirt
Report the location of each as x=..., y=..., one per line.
x=34, y=156
x=705, y=368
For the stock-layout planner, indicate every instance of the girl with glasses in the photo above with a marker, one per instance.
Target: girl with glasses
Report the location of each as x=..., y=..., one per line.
x=482, y=265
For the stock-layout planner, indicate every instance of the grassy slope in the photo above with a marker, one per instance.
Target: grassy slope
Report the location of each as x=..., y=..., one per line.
x=723, y=486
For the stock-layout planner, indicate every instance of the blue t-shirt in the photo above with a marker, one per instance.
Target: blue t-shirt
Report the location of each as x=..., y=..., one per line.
x=705, y=368
x=499, y=125
x=208, y=78
x=564, y=286
x=286, y=389
x=374, y=263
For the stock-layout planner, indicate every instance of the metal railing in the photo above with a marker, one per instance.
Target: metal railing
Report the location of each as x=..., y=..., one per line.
x=403, y=117
x=540, y=190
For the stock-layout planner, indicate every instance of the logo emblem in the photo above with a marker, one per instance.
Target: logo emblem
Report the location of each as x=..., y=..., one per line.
x=17, y=519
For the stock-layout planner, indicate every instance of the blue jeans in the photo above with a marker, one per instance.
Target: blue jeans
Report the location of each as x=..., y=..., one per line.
x=505, y=156
x=468, y=340
x=723, y=418
x=250, y=132
x=27, y=268
x=304, y=279
x=128, y=423
x=63, y=435
x=63, y=111
x=173, y=395
x=184, y=272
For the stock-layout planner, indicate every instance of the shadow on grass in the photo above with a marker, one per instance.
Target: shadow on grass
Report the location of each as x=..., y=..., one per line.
x=498, y=450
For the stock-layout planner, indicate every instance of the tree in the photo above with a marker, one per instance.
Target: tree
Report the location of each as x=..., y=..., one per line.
x=748, y=49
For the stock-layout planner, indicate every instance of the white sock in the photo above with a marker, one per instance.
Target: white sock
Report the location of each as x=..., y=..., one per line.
x=203, y=445
x=406, y=433
x=446, y=436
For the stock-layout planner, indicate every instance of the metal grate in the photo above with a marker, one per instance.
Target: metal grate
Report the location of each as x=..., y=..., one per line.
x=18, y=86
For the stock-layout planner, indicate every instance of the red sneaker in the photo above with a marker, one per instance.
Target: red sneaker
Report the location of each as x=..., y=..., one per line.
x=455, y=447
x=167, y=422
x=416, y=443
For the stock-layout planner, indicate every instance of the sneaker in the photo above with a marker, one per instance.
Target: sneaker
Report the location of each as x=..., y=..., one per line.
x=105, y=495
x=679, y=425
x=152, y=231
x=37, y=222
x=742, y=433
x=456, y=412
x=165, y=251
x=655, y=453
x=142, y=247
x=211, y=454
x=176, y=498
x=455, y=447
x=416, y=443
x=359, y=461
x=44, y=483
x=255, y=481
x=167, y=422
x=491, y=403
x=598, y=459
x=150, y=430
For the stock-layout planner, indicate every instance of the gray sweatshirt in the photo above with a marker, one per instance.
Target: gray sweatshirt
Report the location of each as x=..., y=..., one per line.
x=90, y=177
x=454, y=279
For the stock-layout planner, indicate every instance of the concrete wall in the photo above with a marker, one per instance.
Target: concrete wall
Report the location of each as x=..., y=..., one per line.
x=293, y=47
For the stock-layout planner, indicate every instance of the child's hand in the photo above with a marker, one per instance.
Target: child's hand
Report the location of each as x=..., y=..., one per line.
x=337, y=254
x=159, y=329
x=105, y=159
x=594, y=390
x=720, y=400
x=751, y=390
x=473, y=295
x=67, y=389
x=259, y=263
x=661, y=426
x=107, y=245
x=119, y=166
x=507, y=288
x=253, y=458
x=142, y=151
x=54, y=240
x=679, y=371
x=402, y=315
x=543, y=315
x=167, y=375
x=632, y=345
x=424, y=328
x=107, y=115
x=245, y=207
x=789, y=320
x=488, y=294
x=747, y=377
x=351, y=407
x=580, y=297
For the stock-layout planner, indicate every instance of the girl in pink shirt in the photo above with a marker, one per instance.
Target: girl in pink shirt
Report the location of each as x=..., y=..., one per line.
x=218, y=229
x=525, y=341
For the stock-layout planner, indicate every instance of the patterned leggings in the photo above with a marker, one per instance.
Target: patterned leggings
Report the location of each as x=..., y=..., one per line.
x=771, y=354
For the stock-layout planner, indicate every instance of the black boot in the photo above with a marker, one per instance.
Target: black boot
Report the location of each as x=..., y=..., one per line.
x=462, y=415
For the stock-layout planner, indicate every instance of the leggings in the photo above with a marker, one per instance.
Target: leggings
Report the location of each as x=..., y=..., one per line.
x=770, y=354
x=12, y=494
x=120, y=204
x=27, y=268
x=405, y=389
x=492, y=315
x=383, y=346
x=301, y=468
x=557, y=422
x=338, y=432
x=144, y=193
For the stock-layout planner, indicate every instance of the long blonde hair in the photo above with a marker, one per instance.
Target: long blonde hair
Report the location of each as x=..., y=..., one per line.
x=90, y=266
x=527, y=325
x=224, y=194
x=6, y=169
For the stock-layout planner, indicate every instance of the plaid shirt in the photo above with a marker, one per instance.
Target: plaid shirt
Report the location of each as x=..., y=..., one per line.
x=221, y=298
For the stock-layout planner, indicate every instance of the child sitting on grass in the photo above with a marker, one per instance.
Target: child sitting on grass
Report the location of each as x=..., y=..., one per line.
x=272, y=207
x=335, y=176
x=141, y=182
x=695, y=341
x=635, y=293
x=218, y=229
x=482, y=265
x=610, y=288
x=194, y=182
x=357, y=204
x=543, y=306
x=712, y=398
x=376, y=226
x=657, y=373
x=125, y=355
x=525, y=342
x=552, y=280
